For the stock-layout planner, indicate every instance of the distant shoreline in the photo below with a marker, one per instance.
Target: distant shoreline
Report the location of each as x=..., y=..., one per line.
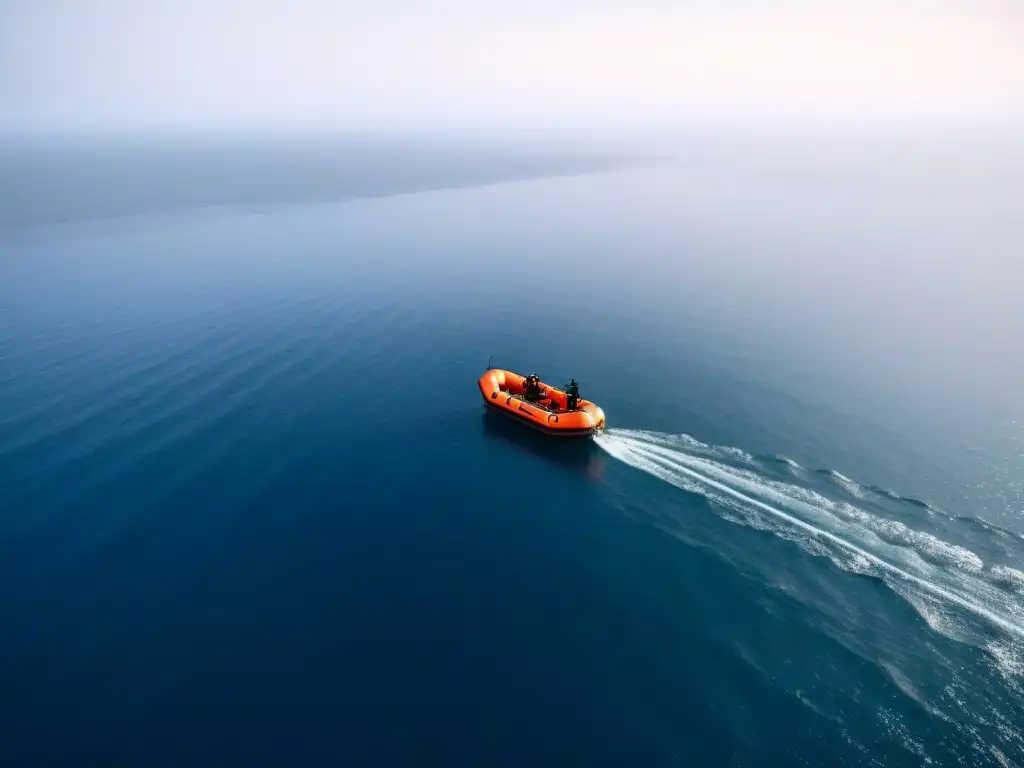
x=58, y=186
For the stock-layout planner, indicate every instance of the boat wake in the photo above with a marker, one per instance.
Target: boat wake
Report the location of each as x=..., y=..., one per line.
x=949, y=585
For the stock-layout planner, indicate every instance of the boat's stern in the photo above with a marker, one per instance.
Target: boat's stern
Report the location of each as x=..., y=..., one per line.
x=597, y=416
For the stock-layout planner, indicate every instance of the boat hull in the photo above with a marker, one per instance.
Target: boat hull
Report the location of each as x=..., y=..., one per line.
x=582, y=432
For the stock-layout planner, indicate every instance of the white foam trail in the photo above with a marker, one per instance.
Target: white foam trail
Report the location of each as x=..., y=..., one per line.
x=1011, y=577
x=681, y=461
x=846, y=484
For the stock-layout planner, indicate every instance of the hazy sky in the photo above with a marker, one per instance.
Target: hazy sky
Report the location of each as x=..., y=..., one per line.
x=97, y=63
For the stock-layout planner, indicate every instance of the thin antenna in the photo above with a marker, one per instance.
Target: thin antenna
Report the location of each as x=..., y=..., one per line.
x=489, y=362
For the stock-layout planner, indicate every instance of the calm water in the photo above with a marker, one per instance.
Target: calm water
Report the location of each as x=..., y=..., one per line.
x=253, y=510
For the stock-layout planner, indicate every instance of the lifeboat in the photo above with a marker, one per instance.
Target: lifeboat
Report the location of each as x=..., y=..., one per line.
x=549, y=412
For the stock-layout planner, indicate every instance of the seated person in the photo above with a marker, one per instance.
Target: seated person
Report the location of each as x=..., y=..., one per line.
x=531, y=387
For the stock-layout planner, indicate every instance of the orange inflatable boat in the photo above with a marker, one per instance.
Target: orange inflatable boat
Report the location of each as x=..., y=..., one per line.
x=552, y=411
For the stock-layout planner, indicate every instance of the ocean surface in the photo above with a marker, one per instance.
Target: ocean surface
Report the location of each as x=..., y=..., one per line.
x=252, y=510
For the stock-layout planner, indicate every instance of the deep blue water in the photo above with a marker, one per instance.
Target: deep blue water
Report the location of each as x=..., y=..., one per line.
x=253, y=510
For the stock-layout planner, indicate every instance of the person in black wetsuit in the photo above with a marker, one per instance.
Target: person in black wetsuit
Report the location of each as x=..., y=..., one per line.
x=531, y=387
x=572, y=395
